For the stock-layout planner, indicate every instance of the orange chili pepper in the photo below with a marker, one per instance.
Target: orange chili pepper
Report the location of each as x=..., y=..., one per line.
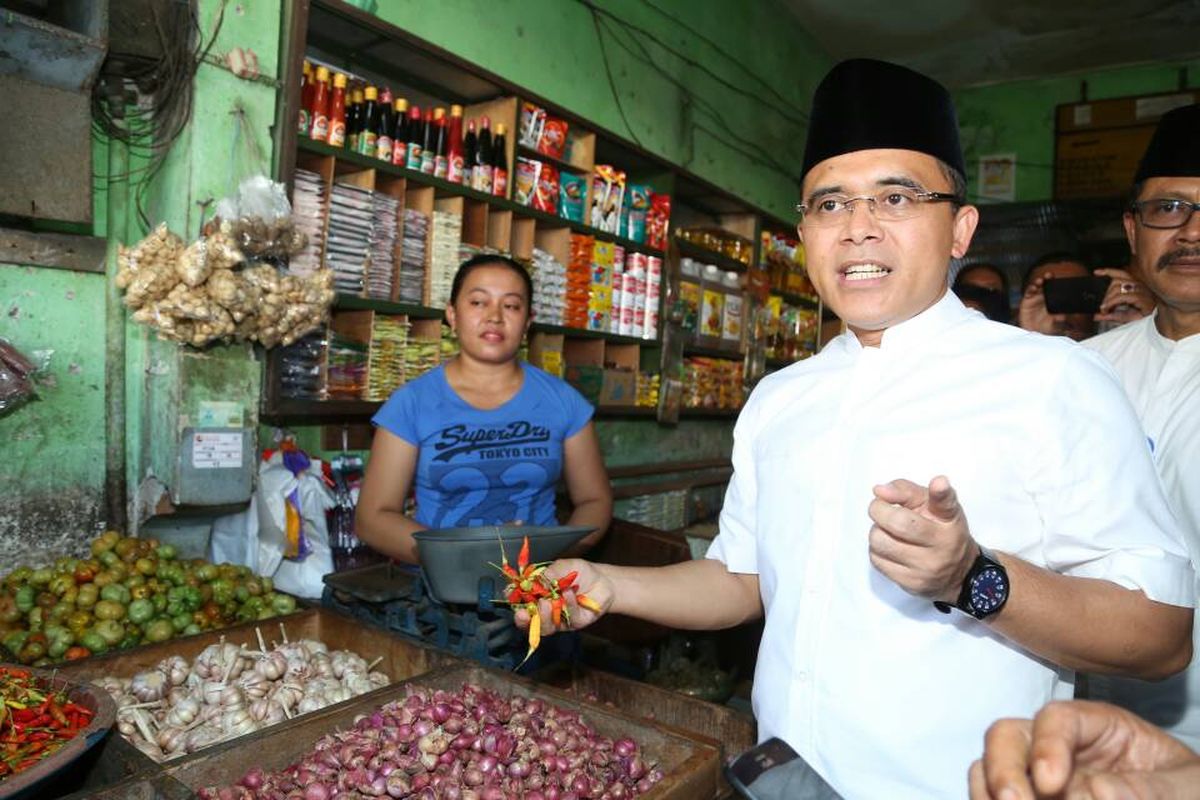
x=588, y=603
x=523, y=556
x=556, y=610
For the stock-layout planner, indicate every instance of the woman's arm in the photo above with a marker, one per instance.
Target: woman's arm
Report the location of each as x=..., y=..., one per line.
x=588, y=487
x=379, y=520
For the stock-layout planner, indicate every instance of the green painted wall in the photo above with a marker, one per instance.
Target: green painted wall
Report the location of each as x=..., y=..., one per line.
x=553, y=48
x=1018, y=117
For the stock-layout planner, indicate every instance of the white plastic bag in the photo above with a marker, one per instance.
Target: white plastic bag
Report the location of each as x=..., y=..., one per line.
x=234, y=538
x=301, y=576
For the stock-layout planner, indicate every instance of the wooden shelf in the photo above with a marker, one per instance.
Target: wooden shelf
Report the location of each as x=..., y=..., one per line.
x=704, y=255
x=524, y=151
x=446, y=188
x=710, y=352
x=797, y=299
x=709, y=413
x=351, y=301
x=626, y=411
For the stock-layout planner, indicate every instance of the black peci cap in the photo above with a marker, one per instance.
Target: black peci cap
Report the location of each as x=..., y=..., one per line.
x=864, y=104
x=1174, y=150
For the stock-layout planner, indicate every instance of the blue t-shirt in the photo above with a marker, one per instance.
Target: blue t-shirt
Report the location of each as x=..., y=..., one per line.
x=485, y=467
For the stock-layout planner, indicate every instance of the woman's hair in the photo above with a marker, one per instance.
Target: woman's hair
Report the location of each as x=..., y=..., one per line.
x=491, y=260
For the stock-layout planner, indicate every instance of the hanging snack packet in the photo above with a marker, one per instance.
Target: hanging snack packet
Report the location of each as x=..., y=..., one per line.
x=608, y=190
x=657, y=221
x=553, y=140
x=572, y=192
x=638, y=204
x=533, y=118
x=546, y=196
x=526, y=181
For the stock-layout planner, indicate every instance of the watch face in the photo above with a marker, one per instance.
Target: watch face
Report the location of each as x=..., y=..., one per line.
x=989, y=590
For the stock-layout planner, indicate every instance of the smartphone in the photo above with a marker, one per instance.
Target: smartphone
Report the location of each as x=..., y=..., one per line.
x=1075, y=295
x=774, y=771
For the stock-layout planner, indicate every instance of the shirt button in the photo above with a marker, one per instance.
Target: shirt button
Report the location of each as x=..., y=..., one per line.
x=802, y=677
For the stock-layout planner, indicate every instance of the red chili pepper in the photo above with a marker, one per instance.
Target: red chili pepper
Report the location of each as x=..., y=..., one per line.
x=523, y=557
x=567, y=581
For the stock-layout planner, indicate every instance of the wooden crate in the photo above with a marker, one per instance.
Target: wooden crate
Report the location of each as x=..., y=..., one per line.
x=402, y=659
x=690, y=767
x=733, y=731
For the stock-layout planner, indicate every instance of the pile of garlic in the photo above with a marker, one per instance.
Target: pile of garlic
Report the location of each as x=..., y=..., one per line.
x=230, y=690
x=205, y=292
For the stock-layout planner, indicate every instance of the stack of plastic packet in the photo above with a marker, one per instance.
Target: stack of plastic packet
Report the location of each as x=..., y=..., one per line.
x=380, y=274
x=309, y=207
x=443, y=262
x=346, y=376
x=549, y=288
x=412, y=256
x=389, y=337
x=646, y=393
x=579, y=280
x=420, y=356
x=347, y=248
x=448, y=347
x=600, y=289
x=300, y=368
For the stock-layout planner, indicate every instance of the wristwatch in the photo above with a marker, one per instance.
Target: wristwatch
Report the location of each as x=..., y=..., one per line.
x=984, y=590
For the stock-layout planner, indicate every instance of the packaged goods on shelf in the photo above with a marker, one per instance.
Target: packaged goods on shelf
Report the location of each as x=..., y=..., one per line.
x=654, y=269
x=712, y=383
x=719, y=241
x=618, y=297
x=608, y=194
x=300, y=372
x=346, y=375
x=309, y=207
x=448, y=346
x=412, y=255
x=646, y=389
x=600, y=290
x=549, y=288
x=443, y=261
x=783, y=257
x=572, y=192
x=732, y=321
x=579, y=278
x=689, y=296
x=381, y=272
x=658, y=221
x=347, y=248
x=385, y=362
x=635, y=211
x=420, y=356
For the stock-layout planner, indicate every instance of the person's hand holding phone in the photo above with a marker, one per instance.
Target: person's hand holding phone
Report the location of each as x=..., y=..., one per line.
x=1031, y=313
x=1126, y=300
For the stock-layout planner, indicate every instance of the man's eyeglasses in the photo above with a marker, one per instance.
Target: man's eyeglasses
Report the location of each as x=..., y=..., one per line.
x=897, y=203
x=1165, y=212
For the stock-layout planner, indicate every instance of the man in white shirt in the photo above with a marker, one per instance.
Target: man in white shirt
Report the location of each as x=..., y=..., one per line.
x=1157, y=358
x=845, y=515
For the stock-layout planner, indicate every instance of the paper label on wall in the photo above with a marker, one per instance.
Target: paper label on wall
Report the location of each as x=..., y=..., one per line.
x=216, y=450
x=219, y=414
x=1083, y=114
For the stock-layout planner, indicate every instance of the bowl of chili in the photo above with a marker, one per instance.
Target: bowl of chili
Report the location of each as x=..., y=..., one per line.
x=458, y=563
x=46, y=723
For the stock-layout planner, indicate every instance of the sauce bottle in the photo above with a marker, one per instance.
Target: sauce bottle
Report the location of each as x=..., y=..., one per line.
x=400, y=132
x=337, y=111
x=440, y=161
x=319, y=130
x=481, y=175
x=500, y=163
x=416, y=138
x=306, y=93
x=470, y=146
x=428, y=143
x=383, y=144
x=354, y=119
x=369, y=134
x=454, y=145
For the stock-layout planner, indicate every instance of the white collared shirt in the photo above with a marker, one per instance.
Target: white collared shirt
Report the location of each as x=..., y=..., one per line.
x=882, y=694
x=1162, y=379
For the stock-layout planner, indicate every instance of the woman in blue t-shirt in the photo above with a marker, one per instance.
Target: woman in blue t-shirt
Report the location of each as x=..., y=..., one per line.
x=483, y=438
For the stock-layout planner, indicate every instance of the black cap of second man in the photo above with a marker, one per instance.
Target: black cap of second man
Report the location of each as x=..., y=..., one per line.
x=1174, y=150
x=864, y=104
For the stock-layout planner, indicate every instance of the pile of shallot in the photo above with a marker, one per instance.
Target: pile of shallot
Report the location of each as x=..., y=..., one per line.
x=231, y=690
x=469, y=745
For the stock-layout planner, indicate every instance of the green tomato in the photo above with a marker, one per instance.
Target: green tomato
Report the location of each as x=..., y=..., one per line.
x=41, y=576
x=61, y=611
x=60, y=583
x=192, y=630
x=108, y=558
x=57, y=648
x=283, y=603
x=266, y=613
x=181, y=621
x=88, y=595
x=110, y=631
x=116, y=593
x=36, y=618
x=166, y=552
x=268, y=585
x=94, y=641
x=206, y=572
x=140, y=611
x=254, y=587
x=160, y=603
x=26, y=598
x=19, y=575
x=108, y=610
x=241, y=593
x=160, y=630
x=14, y=641
x=222, y=591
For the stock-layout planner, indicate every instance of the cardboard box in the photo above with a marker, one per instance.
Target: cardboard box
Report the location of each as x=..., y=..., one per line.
x=588, y=380
x=619, y=388
x=584, y=352
x=546, y=353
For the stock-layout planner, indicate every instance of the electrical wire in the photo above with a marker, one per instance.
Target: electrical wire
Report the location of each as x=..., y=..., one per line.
x=163, y=93
x=612, y=84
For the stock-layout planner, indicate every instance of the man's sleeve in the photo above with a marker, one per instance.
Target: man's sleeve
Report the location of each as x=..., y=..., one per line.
x=1104, y=510
x=736, y=544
